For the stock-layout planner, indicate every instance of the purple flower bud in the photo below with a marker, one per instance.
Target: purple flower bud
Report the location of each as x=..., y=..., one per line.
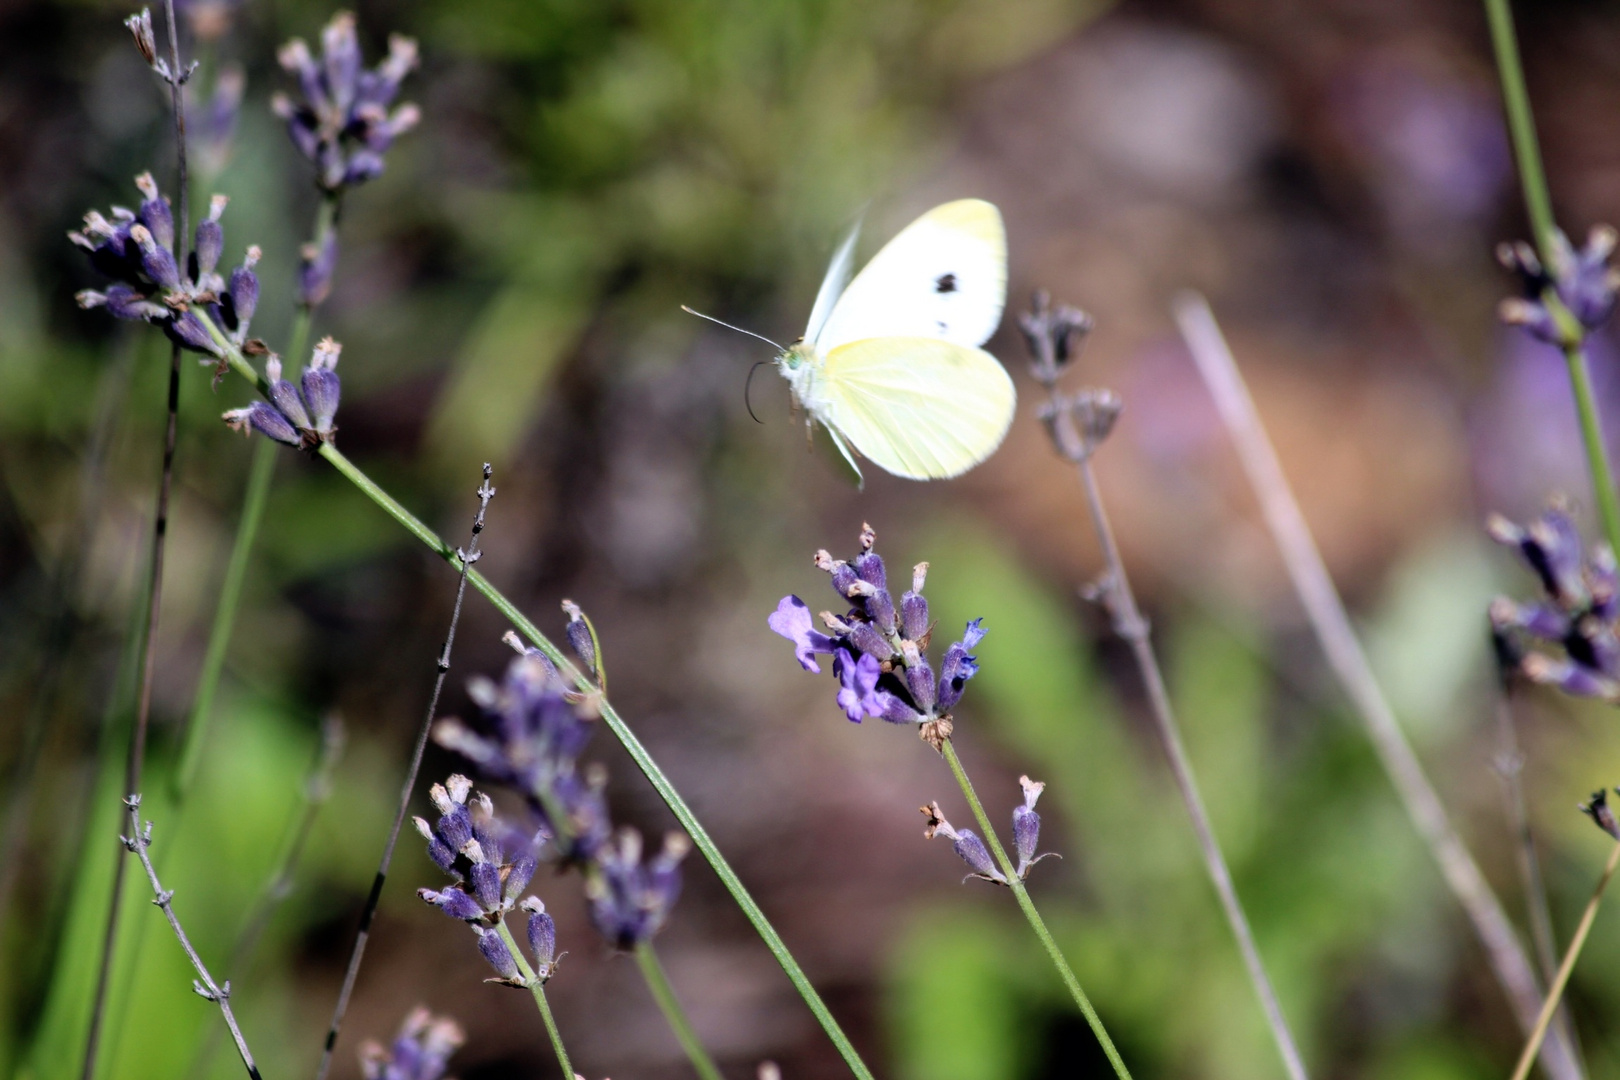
x=965, y=843
x=880, y=608
x=123, y=302
x=340, y=60
x=266, y=420
x=294, y=58
x=869, y=568
x=865, y=637
x=285, y=396
x=1571, y=678
x=1540, y=620
x=242, y=294
x=495, y=951
x=156, y=262
x=210, y=241
x=519, y=872
x=154, y=212
x=317, y=263
x=485, y=878
x=958, y=666
x=894, y=710
x=792, y=620
x=913, y=606
x=920, y=679
x=1586, y=282
x=440, y=852
x=579, y=637
x=454, y=902
x=322, y=390
x=1027, y=825
x=542, y=937
x=190, y=333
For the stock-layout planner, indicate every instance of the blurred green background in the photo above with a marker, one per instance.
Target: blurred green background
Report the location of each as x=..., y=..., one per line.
x=1333, y=175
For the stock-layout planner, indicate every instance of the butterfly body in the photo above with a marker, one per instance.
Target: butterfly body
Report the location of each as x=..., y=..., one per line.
x=891, y=366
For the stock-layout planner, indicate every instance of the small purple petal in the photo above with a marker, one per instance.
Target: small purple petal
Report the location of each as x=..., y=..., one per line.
x=495, y=951
x=791, y=619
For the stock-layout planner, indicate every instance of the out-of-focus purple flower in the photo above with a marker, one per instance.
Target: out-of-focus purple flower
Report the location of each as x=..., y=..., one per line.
x=317, y=263
x=212, y=126
x=878, y=647
x=1579, y=618
x=303, y=414
x=534, y=738
x=966, y=843
x=421, y=1050
x=342, y=121
x=1582, y=281
x=630, y=900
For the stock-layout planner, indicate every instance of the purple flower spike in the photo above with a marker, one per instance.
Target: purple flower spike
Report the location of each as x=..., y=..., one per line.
x=499, y=957
x=791, y=619
x=629, y=901
x=266, y=420
x=421, y=1050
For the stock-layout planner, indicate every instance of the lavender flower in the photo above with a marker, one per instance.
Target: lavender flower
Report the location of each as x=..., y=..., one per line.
x=1027, y=827
x=342, y=122
x=965, y=842
x=212, y=129
x=630, y=901
x=134, y=249
x=535, y=735
x=299, y=415
x=1577, y=616
x=879, y=649
x=421, y=1050
x=580, y=638
x=1579, y=287
x=542, y=938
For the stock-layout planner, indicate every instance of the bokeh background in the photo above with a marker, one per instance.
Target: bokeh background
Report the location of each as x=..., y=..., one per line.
x=1333, y=175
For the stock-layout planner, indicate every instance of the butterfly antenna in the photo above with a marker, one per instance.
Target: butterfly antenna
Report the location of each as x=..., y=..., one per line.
x=728, y=326
x=748, y=404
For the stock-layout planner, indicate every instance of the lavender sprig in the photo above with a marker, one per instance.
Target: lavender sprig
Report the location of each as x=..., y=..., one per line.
x=421, y=1050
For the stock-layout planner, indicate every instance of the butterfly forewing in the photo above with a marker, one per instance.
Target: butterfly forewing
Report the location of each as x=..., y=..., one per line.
x=918, y=407
x=943, y=277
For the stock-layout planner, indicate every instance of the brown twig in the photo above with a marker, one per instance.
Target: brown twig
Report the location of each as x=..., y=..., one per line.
x=1345, y=656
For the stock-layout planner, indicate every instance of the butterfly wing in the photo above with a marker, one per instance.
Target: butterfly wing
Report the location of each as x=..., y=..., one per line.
x=832, y=286
x=918, y=407
x=944, y=276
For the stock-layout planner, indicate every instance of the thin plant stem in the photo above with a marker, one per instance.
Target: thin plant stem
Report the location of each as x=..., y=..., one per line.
x=257, y=492
x=609, y=715
x=537, y=989
x=1556, y=993
x=138, y=840
x=1510, y=765
x=1538, y=207
x=135, y=763
x=1132, y=627
x=1331, y=623
x=1010, y=871
x=658, y=982
x=464, y=559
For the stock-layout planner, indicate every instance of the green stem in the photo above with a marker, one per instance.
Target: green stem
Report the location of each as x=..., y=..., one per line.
x=621, y=731
x=1556, y=991
x=1597, y=454
x=1521, y=124
x=1538, y=206
x=537, y=989
x=230, y=596
x=948, y=749
x=658, y=983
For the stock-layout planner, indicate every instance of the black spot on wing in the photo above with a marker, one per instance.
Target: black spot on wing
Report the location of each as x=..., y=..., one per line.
x=945, y=283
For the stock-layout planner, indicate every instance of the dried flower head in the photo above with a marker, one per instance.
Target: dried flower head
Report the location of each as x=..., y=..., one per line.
x=1054, y=336
x=965, y=842
x=342, y=121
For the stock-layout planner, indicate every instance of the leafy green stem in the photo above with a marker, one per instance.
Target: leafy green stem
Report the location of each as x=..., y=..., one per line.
x=664, y=993
x=948, y=749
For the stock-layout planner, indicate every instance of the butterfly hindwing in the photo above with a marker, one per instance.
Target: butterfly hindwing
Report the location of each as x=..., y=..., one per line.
x=921, y=408
x=944, y=276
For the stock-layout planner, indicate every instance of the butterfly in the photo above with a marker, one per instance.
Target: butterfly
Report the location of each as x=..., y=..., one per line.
x=890, y=362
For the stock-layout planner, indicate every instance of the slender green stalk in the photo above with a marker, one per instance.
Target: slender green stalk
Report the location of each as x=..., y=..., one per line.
x=254, y=496
x=621, y=731
x=948, y=749
x=1538, y=206
x=658, y=983
x=537, y=988
x=1556, y=991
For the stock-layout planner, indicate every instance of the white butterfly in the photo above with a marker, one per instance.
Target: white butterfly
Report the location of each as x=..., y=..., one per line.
x=891, y=365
